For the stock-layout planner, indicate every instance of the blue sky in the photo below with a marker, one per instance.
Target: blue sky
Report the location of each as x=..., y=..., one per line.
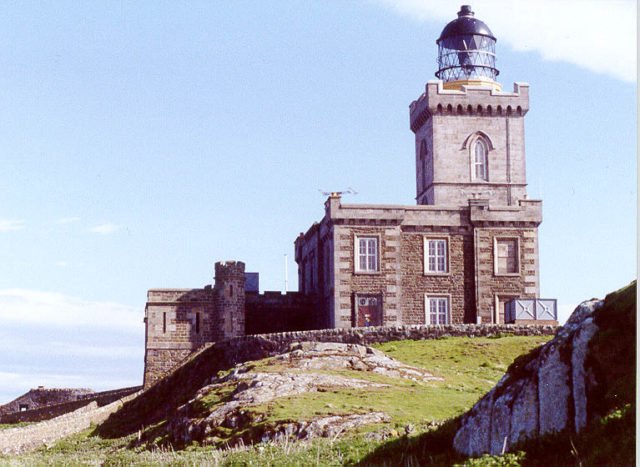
x=143, y=141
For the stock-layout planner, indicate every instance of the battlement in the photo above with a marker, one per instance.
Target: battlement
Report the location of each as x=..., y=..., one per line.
x=229, y=269
x=469, y=100
x=528, y=212
x=155, y=296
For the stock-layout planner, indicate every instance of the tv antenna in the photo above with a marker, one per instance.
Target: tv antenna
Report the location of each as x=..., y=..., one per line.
x=348, y=191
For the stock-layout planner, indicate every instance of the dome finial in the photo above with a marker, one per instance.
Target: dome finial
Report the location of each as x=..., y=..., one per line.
x=465, y=10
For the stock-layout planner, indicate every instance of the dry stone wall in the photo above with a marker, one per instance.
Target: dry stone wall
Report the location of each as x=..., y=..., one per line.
x=16, y=440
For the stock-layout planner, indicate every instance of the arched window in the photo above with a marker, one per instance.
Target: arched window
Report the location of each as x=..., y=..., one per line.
x=480, y=152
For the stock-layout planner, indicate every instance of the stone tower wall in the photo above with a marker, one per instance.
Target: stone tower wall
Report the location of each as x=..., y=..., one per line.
x=178, y=321
x=229, y=299
x=449, y=121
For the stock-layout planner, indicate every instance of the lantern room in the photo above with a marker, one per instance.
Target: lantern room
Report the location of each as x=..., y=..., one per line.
x=466, y=53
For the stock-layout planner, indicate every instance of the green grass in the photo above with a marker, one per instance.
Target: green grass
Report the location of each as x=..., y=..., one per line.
x=473, y=365
x=4, y=426
x=469, y=366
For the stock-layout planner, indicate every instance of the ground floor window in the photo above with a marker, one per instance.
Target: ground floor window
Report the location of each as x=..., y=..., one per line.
x=437, y=310
x=506, y=256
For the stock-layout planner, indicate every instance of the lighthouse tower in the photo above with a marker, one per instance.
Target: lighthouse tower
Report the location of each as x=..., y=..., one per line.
x=469, y=134
x=470, y=154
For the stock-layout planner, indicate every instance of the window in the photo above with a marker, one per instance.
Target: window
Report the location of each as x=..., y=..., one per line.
x=480, y=160
x=436, y=259
x=197, y=322
x=505, y=252
x=437, y=310
x=366, y=254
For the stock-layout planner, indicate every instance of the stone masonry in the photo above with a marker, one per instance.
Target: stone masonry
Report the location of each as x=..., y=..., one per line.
x=474, y=213
x=25, y=438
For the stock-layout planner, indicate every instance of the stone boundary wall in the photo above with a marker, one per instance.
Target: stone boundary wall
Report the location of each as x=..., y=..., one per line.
x=246, y=347
x=380, y=334
x=50, y=411
x=20, y=439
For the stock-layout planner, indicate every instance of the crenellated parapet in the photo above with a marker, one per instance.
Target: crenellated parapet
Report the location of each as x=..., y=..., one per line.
x=469, y=100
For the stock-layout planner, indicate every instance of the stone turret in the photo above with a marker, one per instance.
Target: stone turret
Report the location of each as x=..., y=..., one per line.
x=229, y=299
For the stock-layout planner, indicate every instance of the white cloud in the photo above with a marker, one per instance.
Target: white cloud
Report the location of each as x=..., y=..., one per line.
x=104, y=229
x=7, y=225
x=598, y=35
x=67, y=220
x=36, y=308
x=56, y=340
x=45, y=346
x=62, y=263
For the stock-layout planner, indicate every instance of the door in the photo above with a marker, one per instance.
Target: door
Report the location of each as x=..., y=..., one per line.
x=501, y=301
x=368, y=310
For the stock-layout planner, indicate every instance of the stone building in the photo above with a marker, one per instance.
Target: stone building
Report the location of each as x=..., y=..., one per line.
x=471, y=243
x=179, y=321
x=468, y=247
x=41, y=396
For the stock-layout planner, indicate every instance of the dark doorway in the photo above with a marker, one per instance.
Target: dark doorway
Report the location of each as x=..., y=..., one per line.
x=368, y=310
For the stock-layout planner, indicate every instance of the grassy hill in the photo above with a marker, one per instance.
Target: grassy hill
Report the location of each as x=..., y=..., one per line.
x=469, y=367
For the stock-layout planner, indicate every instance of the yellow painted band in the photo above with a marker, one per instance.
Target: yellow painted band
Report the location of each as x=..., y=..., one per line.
x=471, y=82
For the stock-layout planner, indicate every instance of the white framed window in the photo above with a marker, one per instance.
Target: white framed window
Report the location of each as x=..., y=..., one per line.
x=506, y=256
x=366, y=254
x=436, y=255
x=480, y=160
x=437, y=309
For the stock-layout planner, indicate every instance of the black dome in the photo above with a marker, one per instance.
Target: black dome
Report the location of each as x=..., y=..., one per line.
x=465, y=25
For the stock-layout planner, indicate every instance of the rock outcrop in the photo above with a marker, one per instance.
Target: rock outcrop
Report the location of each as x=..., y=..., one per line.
x=559, y=386
x=159, y=401
x=308, y=367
